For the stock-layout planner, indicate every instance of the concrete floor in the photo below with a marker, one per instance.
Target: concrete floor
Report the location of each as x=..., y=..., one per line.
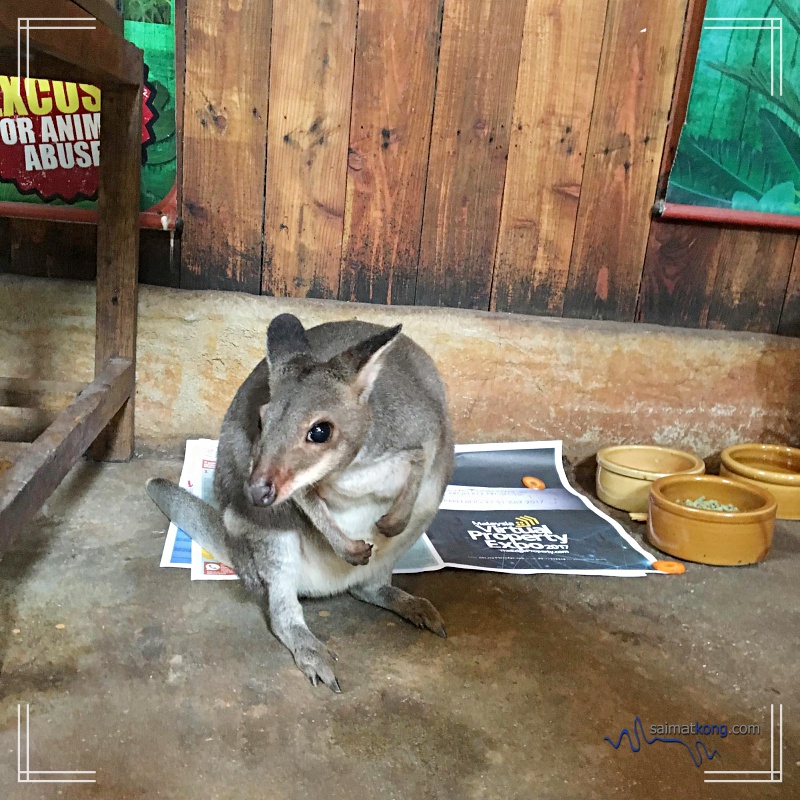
x=171, y=689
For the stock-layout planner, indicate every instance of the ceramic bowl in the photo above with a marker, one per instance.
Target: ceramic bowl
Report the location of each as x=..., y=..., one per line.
x=770, y=466
x=625, y=473
x=711, y=537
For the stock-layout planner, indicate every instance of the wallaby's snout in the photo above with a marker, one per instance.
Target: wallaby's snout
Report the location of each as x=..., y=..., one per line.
x=267, y=484
x=261, y=491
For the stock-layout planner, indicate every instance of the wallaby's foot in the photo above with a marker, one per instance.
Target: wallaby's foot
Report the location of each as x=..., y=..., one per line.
x=312, y=657
x=417, y=610
x=356, y=552
x=391, y=524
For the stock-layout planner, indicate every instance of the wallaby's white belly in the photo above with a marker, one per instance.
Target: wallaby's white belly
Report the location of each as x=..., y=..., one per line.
x=322, y=572
x=356, y=500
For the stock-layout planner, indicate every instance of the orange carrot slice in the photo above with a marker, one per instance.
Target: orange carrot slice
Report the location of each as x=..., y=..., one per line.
x=529, y=482
x=670, y=567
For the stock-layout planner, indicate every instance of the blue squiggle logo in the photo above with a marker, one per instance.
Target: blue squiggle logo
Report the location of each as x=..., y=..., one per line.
x=638, y=727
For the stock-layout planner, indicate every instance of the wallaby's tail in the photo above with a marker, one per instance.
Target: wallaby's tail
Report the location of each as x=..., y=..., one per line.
x=191, y=514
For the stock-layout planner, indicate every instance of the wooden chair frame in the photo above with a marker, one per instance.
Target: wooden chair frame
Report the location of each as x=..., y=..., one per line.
x=102, y=414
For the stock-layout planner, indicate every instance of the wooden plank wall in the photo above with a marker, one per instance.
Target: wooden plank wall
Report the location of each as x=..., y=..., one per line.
x=500, y=155
x=224, y=130
x=311, y=82
x=790, y=315
x=478, y=63
x=393, y=89
x=629, y=124
x=549, y=134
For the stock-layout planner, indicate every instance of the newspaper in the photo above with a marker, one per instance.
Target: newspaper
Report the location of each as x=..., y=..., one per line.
x=197, y=476
x=487, y=519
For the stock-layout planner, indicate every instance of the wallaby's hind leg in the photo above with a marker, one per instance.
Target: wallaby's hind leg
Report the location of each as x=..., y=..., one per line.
x=417, y=610
x=276, y=559
x=379, y=590
x=312, y=657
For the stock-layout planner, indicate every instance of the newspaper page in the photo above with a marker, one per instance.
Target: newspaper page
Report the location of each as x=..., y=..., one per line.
x=178, y=546
x=197, y=477
x=488, y=520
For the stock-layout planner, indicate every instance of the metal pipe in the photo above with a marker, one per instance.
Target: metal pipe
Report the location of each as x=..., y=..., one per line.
x=152, y=220
x=726, y=216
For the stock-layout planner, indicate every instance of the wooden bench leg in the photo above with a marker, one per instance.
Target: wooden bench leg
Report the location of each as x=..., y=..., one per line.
x=118, y=252
x=39, y=467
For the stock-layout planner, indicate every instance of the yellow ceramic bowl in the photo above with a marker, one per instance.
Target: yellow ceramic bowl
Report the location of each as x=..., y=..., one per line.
x=625, y=473
x=770, y=466
x=711, y=537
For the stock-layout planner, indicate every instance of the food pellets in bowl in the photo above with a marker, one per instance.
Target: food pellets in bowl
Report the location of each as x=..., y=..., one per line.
x=711, y=535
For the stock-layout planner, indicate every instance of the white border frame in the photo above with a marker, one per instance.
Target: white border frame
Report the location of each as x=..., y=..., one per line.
x=763, y=26
x=24, y=775
x=772, y=772
x=24, y=25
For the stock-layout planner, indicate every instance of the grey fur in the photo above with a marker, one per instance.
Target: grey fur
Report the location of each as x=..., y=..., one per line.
x=190, y=513
x=363, y=497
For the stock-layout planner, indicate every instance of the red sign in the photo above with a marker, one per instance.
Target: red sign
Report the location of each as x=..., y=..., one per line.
x=50, y=137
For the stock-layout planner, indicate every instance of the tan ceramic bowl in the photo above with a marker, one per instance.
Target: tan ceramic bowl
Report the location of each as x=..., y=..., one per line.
x=711, y=537
x=770, y=466
x=625, y=473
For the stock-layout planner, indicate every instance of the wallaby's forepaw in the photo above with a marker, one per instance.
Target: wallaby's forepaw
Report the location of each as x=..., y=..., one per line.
x=391, y=525
x=316, y=661
x=422, y=613
x=357, y=552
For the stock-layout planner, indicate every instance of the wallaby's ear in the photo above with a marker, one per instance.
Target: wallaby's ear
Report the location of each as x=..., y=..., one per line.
x=363, y=362
x=286, y=338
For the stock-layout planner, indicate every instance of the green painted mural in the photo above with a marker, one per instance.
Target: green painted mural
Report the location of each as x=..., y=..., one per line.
x=740, y=145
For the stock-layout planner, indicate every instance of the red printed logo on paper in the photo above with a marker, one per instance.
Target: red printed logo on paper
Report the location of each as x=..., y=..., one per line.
x=50, y=137
x=217, y=568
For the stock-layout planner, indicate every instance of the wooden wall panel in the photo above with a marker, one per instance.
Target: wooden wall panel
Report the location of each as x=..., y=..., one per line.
x=680, y=270
x=503, y=154
x=752, y=275
x=51, y=249
x=687, y=61
x=478, y=65
x=561, y=46
x=180, y=95
x=42, y=249
x=310, y=92
x=225, y=118
x=159, y=258
x=393, y=87
x=790, y=316
x=5, y=245
x=701, y=276
x=632, y=101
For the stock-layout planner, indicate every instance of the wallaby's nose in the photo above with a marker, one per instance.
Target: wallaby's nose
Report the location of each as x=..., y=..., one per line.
x=262, y=492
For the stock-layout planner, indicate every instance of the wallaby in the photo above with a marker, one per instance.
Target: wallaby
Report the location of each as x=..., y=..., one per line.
x=333, y=458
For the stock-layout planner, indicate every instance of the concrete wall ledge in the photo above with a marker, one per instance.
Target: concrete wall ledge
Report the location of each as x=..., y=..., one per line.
x=510, y=377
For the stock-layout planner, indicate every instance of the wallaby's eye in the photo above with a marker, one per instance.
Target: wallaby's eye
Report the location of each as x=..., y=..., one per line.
x=319, y=432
